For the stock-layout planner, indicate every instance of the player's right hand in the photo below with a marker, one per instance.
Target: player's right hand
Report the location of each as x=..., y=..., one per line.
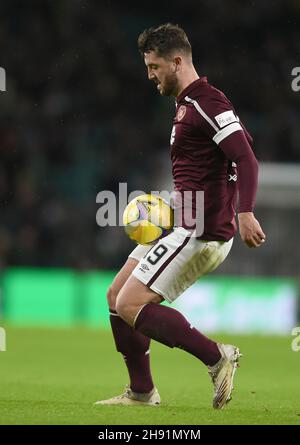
x=250, y=230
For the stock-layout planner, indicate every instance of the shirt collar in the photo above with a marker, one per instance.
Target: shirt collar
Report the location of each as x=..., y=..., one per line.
x=191, y=87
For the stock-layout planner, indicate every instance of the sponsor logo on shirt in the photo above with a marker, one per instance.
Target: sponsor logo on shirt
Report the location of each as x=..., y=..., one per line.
x=226, y=118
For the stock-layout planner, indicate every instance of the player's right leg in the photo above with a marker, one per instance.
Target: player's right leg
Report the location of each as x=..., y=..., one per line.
x=133, y=345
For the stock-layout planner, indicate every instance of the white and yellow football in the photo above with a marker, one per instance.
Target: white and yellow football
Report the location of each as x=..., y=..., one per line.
x=148, y=218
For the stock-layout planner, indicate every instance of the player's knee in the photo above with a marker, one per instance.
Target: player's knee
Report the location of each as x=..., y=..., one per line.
x=121, y=308
x=126, y=311
x=111, y=296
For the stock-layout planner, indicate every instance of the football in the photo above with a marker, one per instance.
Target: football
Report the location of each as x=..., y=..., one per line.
x=148, y=218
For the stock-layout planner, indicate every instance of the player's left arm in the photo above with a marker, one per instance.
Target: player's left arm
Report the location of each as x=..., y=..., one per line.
x=237, y=148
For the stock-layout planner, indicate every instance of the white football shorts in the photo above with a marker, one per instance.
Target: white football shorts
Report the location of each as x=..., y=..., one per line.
x=176, y=261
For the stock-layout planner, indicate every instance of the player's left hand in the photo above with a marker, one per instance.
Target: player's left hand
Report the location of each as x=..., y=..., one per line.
x=250, y=230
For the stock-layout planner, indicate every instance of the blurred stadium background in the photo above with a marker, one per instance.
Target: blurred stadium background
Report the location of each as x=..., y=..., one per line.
x=78, y=116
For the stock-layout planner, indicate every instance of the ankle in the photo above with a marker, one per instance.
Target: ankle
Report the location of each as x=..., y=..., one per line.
x=142, y=396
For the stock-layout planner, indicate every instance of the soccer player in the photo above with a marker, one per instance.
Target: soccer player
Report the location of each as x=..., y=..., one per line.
x=211, y=152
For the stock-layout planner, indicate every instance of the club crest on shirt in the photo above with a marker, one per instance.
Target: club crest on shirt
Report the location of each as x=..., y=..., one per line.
x=181, y=112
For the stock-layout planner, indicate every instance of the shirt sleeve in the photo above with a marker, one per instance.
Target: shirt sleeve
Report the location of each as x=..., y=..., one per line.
x=237, y=148
x=217, y=119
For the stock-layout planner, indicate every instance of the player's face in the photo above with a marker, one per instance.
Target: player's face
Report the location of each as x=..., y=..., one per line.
x=163, y=72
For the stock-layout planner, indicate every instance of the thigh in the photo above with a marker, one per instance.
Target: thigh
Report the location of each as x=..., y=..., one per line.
x=135, y=294
x=124, y=273
x=134, y=257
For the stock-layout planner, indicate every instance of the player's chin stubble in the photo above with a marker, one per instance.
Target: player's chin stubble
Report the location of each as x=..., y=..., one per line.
x=170, y=86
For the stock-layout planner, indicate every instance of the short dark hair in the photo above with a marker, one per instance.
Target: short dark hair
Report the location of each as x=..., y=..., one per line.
x=163, y=40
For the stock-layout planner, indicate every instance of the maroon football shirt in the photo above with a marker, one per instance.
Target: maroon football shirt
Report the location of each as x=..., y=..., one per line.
x=211, y=152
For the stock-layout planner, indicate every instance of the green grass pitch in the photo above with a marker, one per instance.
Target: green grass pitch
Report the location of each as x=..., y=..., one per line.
x=53, y=376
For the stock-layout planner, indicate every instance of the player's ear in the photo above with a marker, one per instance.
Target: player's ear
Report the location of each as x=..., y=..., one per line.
x=177, y=63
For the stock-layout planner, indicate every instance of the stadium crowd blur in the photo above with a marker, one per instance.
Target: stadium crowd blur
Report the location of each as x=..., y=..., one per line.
x=79, y=115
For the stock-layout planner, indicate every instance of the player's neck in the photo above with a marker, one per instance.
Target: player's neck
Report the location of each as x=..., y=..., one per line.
x=187, y=78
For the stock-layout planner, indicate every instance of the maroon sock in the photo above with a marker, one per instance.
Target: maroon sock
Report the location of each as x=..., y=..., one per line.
x=135, y=349
x=169, y=327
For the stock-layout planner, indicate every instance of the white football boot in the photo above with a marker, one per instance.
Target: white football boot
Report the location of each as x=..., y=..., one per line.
x=132, y=398
x=222, y=374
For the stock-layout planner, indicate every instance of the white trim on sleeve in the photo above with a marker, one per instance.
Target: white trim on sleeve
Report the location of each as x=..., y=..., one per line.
x=222, y=134
x=202, y=112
